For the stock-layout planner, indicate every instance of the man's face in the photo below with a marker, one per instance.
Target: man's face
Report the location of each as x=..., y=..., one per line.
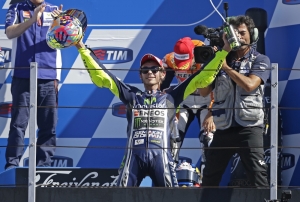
x=150, y=73
x=243, y=34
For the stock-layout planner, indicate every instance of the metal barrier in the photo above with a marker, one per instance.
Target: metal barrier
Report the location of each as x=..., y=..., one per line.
x=33, y=129
x=32, y=132
x=274, y=132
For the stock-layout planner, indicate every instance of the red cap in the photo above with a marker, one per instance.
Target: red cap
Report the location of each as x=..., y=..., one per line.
x=149, y=56
x=184, y=52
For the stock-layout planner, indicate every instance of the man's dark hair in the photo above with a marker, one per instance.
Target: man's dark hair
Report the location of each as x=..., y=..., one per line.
x=243, y=19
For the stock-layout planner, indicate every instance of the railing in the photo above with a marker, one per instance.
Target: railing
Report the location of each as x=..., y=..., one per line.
x=32, y=133
x=274, y=132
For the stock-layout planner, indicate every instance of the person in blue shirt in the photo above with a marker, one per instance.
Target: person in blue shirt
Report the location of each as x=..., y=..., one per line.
x=27, y=23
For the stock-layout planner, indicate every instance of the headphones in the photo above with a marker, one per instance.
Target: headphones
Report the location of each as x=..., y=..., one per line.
x=254, y=35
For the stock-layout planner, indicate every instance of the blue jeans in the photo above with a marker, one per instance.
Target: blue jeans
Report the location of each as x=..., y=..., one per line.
x=47, y=98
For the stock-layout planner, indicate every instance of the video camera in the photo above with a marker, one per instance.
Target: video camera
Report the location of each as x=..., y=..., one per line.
x=203, y=54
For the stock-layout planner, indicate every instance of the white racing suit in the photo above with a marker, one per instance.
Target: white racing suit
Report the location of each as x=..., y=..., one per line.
x=193, y=106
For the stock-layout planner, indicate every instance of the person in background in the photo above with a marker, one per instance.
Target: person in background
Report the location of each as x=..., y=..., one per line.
x=181, y=64
x=27, y=23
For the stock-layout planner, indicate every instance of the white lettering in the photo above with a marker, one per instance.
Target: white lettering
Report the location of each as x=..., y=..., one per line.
x=151, y=112
x=109, y=54
x=60, y=163
x=49, y=181
x=122, y=55
x=236, y=159
x=268, y=99
x=116, y=55
x=142, y=134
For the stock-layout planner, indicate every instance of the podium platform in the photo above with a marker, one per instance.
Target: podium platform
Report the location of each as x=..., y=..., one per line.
x=60, y=177
x=141, y=194
x=59, y=184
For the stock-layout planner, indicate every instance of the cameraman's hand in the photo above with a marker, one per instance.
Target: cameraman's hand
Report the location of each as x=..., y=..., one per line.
x=226, y=46
x=215, y=48
x=208, y=123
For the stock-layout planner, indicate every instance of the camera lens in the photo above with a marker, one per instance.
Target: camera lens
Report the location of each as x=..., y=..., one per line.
x=203, y=54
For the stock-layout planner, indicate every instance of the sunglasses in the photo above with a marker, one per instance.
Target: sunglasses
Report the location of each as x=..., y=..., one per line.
x=154, y=69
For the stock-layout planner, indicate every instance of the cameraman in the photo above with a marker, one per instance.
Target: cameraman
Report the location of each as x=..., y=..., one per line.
x=238, y=109
x=181, y=64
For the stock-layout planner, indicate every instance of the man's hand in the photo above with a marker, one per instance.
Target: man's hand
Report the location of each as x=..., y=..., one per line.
x=38, y=11
x=80, y=44
x=208, y=123
x=226, y=46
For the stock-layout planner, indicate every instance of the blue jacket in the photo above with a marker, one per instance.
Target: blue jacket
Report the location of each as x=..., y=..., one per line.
x=31, y=46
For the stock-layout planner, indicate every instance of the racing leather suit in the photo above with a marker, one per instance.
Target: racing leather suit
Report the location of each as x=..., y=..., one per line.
x=193, y=106
x=150, y=116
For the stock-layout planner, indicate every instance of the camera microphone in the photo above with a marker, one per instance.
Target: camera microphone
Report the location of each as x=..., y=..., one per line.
x=254, y=43
x=201, y=30
x=225, y=6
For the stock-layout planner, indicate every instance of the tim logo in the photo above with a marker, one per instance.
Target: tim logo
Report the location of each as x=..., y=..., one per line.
x=291, y=1
x=113, y=55
x=57, y=161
